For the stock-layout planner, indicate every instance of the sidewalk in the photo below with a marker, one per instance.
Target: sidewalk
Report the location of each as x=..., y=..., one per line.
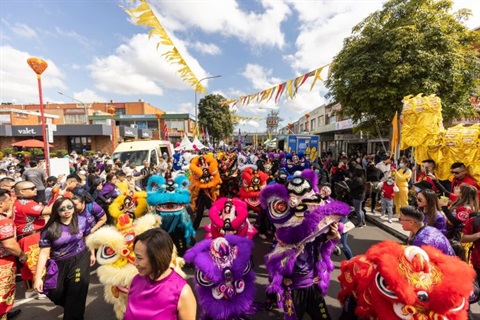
x=394, y=228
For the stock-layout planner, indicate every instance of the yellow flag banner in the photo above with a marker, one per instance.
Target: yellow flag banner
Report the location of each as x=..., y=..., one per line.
x=394, y=142
x=289, y=87
x=143, y=15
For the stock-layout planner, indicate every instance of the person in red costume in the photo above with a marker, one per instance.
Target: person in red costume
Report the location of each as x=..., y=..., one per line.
x=427, y=169
x=461, y=176
x=28, y=219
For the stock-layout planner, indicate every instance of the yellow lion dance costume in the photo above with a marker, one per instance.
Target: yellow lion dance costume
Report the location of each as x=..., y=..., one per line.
x=114, y=245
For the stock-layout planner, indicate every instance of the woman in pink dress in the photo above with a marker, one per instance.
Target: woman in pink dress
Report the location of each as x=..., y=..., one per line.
x=158, y=292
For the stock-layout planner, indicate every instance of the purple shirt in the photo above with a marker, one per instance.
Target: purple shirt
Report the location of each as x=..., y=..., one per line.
x=68, y=245
x=92, y=215
x=440, y=222
x=433, y=237
x=149, y=299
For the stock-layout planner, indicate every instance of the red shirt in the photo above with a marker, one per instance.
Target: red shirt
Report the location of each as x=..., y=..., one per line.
x=7, y=231
x=387, y=191
x=468, y=229
x=423, y=177
x=27, y=216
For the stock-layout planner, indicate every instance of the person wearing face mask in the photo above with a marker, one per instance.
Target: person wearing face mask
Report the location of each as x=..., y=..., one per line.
x=387, y=198
x=401, y=177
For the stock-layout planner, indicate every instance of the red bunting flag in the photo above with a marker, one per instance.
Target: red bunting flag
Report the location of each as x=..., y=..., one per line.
x=165, y=131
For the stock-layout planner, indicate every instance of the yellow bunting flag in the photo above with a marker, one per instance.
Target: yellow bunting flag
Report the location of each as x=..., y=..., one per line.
x=143, y=15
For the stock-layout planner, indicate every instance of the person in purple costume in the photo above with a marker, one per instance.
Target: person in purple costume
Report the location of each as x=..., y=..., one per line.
x=158, y=291
x=62, y=239
x=421, y=234
x=427, y=203
x=92, y=211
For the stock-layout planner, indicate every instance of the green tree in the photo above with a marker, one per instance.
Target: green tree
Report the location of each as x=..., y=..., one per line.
x=214, y=117
x=408, y=47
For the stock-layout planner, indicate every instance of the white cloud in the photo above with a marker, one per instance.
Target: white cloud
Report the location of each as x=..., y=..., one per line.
x=19, y=82
x=206, y=48
x=227, y=18
x=22, y=30
x=84, y=41
x=139, y=68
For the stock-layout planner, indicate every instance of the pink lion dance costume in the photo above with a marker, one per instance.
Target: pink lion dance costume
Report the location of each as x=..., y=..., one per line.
x=395, y=282
x=229, y=216
x=224, y=277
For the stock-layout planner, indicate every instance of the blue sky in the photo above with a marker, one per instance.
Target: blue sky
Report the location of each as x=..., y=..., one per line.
x=96, y=54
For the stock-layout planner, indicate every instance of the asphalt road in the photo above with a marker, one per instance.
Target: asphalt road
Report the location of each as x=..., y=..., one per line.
x=359, y=240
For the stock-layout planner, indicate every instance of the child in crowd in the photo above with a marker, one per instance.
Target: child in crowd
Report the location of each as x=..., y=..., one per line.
x=387, y=198
x=122, y=183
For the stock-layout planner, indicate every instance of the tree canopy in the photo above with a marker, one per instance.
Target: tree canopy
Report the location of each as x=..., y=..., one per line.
x=408, y=47
x=214, y=117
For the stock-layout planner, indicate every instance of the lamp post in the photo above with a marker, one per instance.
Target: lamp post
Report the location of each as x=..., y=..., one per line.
x=196, y=105
x=307, y=115
x=84, y=105
x=111, y=110
x=39, y=66
x=159, y=116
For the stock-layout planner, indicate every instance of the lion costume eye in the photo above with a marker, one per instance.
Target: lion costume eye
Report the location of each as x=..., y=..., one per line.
x=106, y=255
x=202, y=279
x=278, y=208
x=383, y=287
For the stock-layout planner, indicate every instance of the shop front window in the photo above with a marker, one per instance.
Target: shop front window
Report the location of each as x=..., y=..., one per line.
x=78, y=144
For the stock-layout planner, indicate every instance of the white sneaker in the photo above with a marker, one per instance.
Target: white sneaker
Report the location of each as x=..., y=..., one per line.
x=41, y=296
x=31, y=294
x=389, y=220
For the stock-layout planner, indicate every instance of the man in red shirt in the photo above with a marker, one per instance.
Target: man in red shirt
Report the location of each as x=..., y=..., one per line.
x=427, y=168
x=28, y=219
x=461, y=176
x=9, y=249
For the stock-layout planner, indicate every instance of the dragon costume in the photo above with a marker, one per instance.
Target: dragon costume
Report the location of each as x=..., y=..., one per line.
x=229, y=216
x=302, y=220
x=224, y=277
x=169, y=198
x=116, y=257
x=204, y=183
x=394, y=281
x=134, y=204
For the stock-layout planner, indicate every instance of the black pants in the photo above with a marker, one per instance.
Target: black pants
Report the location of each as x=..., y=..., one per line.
x=72, y=285
x=310, y=300
x=203, y=202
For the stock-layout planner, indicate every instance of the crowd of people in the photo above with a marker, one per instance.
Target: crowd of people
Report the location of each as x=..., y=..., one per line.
x=44, y=220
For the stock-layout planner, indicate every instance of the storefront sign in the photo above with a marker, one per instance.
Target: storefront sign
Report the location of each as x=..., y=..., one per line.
x=347, y=137
x=128, y=132
x=345, y=124
x=26, y=131
x=145, y=134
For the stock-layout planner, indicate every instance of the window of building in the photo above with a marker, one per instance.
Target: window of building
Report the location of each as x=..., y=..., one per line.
x=152, y=125
x=79, y=144
x=74, y=118
x=119, y=111
x=321, y=120
x=331, y=119
x=141, y=124
x=313, y=124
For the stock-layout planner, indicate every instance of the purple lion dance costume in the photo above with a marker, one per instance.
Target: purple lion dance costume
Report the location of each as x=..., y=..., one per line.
x=302, y=220
x=224, y=277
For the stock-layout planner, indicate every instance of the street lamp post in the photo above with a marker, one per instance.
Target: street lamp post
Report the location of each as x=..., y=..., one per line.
x=39, y=66
x=111, y=110
x=196, y=106
x=83, y=104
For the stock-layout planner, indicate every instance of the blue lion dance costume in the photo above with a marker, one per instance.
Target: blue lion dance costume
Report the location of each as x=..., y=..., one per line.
x=169, y=197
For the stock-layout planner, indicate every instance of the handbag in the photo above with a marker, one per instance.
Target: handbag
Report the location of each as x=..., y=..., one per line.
x=348, y=226
x=396, y=189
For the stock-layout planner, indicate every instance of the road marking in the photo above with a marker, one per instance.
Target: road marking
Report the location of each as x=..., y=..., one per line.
x=22, y=301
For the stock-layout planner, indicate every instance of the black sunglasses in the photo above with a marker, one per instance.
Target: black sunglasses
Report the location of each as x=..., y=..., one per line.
x=31, y=188
x=67, y=207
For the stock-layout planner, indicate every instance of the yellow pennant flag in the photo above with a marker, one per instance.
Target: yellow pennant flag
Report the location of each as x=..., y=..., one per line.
x=290, y=89
x=394, y=142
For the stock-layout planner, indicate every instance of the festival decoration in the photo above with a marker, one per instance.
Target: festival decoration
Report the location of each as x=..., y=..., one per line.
x=169, y=198
x=393, y=281
x=224, y=277
x=143, y=15
x=116, y=257
x=422, y=128
x=301, y=218
x=290, y=87
x=204, y=177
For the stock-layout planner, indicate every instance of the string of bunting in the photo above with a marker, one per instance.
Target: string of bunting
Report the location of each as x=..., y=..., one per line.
x=143, y=15
x=289, y=87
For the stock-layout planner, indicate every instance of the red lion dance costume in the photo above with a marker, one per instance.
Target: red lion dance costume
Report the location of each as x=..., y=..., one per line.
x=204, y=183
x=392, y=281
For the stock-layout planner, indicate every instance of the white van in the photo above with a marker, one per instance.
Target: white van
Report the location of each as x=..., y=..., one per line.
x=138, y=151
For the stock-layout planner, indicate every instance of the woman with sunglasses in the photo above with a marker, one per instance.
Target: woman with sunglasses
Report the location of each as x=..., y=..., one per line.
x=62, y=239
x=427, y=203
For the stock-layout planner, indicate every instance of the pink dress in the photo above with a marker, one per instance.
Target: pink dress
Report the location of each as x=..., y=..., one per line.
x=149, y=299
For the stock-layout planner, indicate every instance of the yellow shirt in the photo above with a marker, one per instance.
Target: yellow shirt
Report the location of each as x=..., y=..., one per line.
x=122, y=186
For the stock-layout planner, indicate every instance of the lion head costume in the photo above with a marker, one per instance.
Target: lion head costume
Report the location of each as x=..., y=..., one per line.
x=204, y=175
x=134, y=204
x=253, y=181
x=394, y=281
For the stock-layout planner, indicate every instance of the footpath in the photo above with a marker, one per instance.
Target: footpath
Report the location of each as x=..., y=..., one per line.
x=394, y=228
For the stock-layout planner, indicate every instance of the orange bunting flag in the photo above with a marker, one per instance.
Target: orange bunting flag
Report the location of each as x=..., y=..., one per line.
x=280, y=89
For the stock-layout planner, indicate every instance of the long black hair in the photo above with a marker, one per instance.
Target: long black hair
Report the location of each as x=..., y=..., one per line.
x=53, y=226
